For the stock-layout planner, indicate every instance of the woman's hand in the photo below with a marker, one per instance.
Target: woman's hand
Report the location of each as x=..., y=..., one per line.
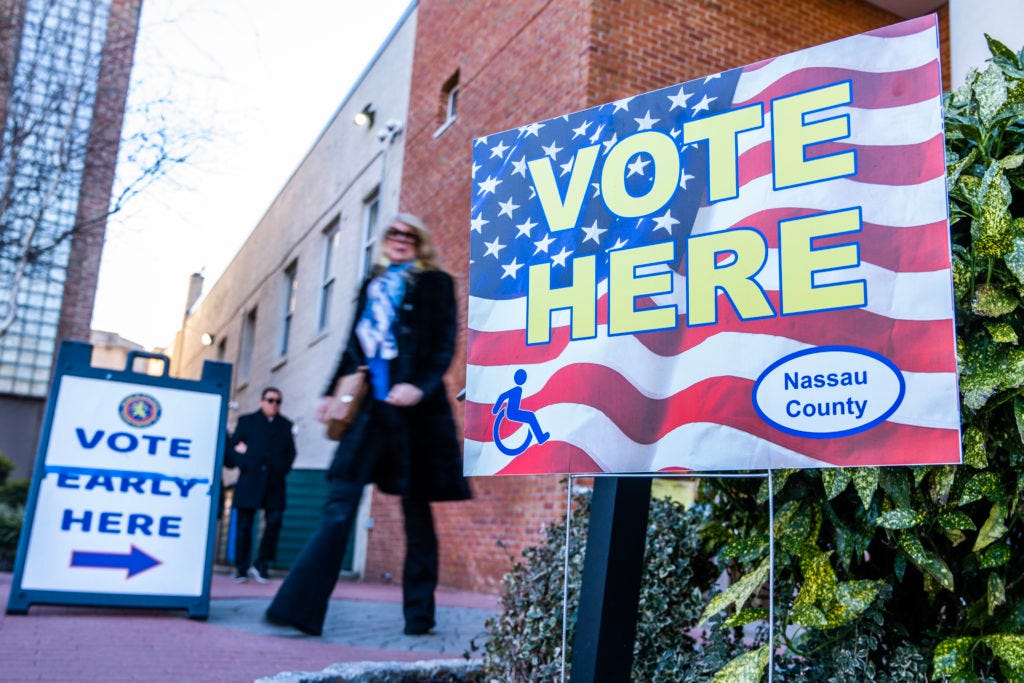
x=323, y=410
x=404, y=395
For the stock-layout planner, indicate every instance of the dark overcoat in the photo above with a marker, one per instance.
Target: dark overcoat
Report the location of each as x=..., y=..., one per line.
x=270, y=452
x=431, y=469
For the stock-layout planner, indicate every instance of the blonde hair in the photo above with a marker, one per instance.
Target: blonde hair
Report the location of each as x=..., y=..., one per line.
x=426, y=253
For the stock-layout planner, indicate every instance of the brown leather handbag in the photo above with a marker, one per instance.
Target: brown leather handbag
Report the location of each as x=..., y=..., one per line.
x=349, y=395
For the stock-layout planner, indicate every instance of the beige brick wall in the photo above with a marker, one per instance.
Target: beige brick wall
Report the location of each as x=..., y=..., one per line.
x=343, y=166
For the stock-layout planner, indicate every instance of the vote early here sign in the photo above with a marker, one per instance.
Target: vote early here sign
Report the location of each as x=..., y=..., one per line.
x=125, y=491
x=748, y=270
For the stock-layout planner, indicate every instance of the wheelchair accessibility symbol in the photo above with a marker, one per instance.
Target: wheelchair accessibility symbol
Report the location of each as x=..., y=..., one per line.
x=507, y=408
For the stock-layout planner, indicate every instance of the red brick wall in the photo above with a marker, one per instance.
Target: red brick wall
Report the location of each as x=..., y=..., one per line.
x=642, y=45
x=518, y=62
x=525, y=61
x=479, y=538
x=98, y=176
x=492, y=44
x=944, y=46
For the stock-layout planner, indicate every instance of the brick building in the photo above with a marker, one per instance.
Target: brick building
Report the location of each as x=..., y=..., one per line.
x=515, y=63
x=488, y=66
x=64, y=73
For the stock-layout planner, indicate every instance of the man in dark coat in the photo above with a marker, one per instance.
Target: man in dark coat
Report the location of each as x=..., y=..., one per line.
x=263, y=449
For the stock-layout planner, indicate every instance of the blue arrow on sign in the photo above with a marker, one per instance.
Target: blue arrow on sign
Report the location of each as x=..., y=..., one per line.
x=135, y=561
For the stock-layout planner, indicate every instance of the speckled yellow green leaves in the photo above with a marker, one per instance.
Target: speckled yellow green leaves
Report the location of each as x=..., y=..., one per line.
x=980, y=485
x=823, y=601
x=835, y=481
x=955, y=167
x=1001, y=53
x=993, y=529
x=996, y=593
x=1018, y=417
x=995, y=555
x=927, y=562
x=1010, y=651
x=942, y=483
x=986, y=369
x=992, y=301
x=953, y=656
x=900, y=519
x=747, y=668
x=796, y=526
x=779, y=478
x=1002, y=333
x=963, y=277
x=989, y=90
x=956, y=519
x=992, y=227
x=865, y=480
x=747, y=615
x=1015, y=258
x=974, y=448
x=745, y=549
x=737, y=593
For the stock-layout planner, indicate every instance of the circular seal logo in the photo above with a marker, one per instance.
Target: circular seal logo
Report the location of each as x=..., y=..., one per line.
x=139, y=410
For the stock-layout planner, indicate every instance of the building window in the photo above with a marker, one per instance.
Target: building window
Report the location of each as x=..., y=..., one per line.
x=288, y=309
x=245, y=350
x=449, y=108
x=331, y=237
x=371, y=217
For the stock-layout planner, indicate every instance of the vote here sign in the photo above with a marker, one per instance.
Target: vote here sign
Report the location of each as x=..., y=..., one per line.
x=749, y=270
x=125, y=490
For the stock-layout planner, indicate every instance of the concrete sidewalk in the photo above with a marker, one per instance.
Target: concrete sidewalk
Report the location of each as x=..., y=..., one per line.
x=364, y=623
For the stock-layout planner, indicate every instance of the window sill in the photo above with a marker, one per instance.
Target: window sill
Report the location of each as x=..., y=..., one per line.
x=278, y=364
x=444, y=126
x=319, y=338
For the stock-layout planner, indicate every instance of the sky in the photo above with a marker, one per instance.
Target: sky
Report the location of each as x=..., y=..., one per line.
x=245, y=87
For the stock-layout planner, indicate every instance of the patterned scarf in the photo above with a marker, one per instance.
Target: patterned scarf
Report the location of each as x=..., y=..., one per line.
x=375, y=328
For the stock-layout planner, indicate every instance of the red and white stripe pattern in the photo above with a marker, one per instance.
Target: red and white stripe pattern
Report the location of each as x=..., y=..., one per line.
x=680, y=399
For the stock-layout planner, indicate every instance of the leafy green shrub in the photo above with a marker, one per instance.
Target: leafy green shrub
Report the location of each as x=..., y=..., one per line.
x=6, y=467
x=916, y=574
x=898, y=575
x=14, y=492
x=13, y=497
x=11, y=518
x=526, y=638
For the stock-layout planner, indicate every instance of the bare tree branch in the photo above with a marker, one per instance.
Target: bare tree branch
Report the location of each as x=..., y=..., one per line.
x=52, y=139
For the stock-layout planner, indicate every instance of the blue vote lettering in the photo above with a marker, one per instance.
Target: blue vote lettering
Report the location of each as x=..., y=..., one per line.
x=126, y=442
x=116, y=481
x=133, y=524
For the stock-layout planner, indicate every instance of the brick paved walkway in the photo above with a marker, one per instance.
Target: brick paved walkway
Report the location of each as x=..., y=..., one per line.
x=364, y=623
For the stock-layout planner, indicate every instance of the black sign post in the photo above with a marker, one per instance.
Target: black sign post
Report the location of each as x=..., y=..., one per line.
x=612, y=569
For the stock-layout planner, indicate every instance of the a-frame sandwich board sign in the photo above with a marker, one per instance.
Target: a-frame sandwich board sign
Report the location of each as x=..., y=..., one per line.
x=123, y=502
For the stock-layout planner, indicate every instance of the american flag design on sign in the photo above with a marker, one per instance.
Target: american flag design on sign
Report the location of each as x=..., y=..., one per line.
x=650, y=294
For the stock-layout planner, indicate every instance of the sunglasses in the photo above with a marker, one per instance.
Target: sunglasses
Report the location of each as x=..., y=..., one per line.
x=399, y=235
x=273, y=401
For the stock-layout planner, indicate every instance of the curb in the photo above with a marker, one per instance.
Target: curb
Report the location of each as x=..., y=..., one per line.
x=426, y=671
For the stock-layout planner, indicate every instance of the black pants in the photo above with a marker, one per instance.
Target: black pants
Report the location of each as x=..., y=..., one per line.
x=419, y=573
x=244, y=521
x=303, y=598
x=304, y=595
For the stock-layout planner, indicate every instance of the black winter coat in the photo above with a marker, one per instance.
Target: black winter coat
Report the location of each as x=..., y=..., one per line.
x=425, y=336
x=266, y=462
